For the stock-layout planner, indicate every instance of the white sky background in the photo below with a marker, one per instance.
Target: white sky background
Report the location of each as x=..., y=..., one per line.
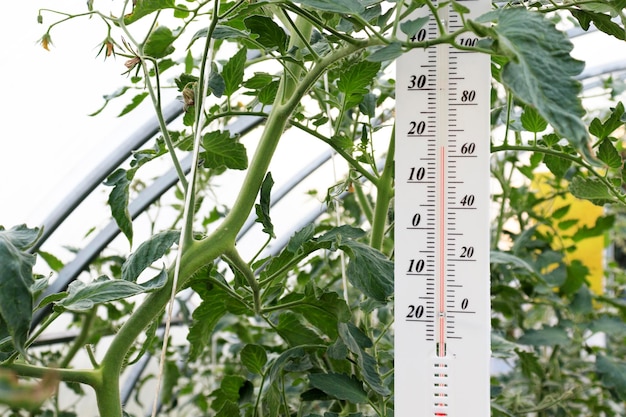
x=48, y=141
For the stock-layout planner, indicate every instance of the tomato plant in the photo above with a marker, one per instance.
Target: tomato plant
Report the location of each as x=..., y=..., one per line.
x=305, y=327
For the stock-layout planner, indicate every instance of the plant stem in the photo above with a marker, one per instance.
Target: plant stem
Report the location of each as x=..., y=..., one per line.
x=383, y=197
x=232, y=255
x=84, y=376
x=80, y=340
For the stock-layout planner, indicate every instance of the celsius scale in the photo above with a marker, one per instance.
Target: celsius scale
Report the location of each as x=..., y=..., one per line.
x=442, y=291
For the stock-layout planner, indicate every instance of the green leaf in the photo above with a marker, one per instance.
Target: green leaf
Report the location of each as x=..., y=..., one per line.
x=223, y=151
x=602, y=225
x=254, y=358
x=608, y=324
x=295, y=331
x=148, y=252
x=227, y=32
x=118, y=201
x=263, y=208
x=145, y=7
x=532, y=120
x=529, y=363
x=356, y=341
x=590, y=189
x=216, y=82
x=601, y=21
x=411, y=27
x=324, y=312
x=267, y=95
x=354, y=80
x=205, y=316
x=547, y=336
x=159, y=42
x=108, y=97
x=576, y=274
x=557, y=166
x=613, y=374
x=560, y=212
x=340, y=386
x=53, y=262
x=268, y=33
x=335, y=6
x=136, y=101
x=233, y=71
x=83, y=297
x=503, y=258
x=16, y=280
x=386, y=53
x=540, y=70
x=369, y=271
x=612, y=123
x=608, y=154
x=258, y=81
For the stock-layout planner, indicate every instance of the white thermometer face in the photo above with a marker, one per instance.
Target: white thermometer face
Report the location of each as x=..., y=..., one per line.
x=442, y=308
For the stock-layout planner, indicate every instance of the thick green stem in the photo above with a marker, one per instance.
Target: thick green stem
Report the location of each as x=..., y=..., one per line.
x=83, y=376
x=384, y=193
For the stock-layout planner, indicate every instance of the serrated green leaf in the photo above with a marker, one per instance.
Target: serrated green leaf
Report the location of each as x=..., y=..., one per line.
x=292, y=328
x=576, y=274
x=612, y=123
x=532, y=120
x=83, y=297
x=145, y=7
x=547, y=336
x=268, y=33
x=16, y=280
x=386, y=53
x=233, y=71
x=258, y=81
x=148, y=252
x=590, y=189
x=369, y=271
x=263, y=208
x=613, y=374
x=601, y=21
x=300, y=237
x=223, y=151
x=503, y=258
x=335, y=6
x=411, y=27
x=217, y=86
x=324, y=312
x=340, y=386
x=602, y=225
x=118, y=201
x=355, y=79
x=159, y=42
x=608, y=154
x=557, y=166
x=205, y=318
x=136, y=101
x=540, y=70
x=254, y=358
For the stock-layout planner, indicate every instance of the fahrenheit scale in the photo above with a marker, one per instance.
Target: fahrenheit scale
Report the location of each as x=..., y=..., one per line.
x=442, y=309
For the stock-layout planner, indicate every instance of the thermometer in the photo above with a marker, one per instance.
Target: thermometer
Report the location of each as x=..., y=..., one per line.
x=442, y=291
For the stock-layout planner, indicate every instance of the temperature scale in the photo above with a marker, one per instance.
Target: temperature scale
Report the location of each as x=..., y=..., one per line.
x=442, y=309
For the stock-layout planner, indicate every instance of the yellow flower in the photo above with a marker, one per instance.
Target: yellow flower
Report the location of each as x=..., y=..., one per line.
x=46, y=41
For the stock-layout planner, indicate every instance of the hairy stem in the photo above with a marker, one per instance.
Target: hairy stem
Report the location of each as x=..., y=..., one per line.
x=383, y=197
